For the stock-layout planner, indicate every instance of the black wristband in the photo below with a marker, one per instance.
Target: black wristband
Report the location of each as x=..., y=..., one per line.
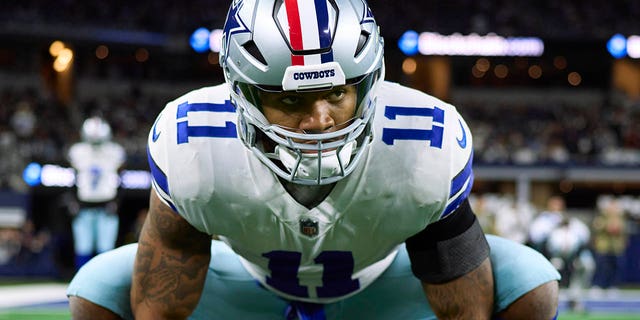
x=448, y=248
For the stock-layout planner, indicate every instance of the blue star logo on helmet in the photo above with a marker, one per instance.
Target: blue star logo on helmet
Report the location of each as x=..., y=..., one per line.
x=233, y=25
x=368, y=15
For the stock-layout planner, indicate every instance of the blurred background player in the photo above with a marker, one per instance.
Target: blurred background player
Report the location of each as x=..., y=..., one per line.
x=545, y=222
x=610, y=240
x=565, y=240
x=97, y=161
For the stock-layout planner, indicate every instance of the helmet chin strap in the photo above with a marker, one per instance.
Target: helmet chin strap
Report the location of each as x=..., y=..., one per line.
x=310, y=166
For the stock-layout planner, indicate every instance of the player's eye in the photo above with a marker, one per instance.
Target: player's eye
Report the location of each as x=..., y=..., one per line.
x=290, y=100
x=336, y=95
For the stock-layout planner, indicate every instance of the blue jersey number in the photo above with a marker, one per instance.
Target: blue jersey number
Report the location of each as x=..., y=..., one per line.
x=433, y=135
x=336, y=274
x=96, y=174
x=185, y=130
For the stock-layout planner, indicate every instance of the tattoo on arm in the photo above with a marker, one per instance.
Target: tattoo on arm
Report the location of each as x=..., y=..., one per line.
x=171, y=264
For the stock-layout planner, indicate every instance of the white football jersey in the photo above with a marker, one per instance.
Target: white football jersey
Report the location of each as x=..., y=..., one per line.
x=416, y=171
x=97, y=178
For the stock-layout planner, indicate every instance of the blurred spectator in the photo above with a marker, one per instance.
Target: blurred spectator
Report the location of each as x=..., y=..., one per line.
x=610, y=242
x=23, y=120
x=486, y=216
x=26, y=251
x=513, y=220
x=501, y=215
x=10, y=244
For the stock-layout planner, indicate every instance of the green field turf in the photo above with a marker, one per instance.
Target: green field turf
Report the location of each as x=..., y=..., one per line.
x=40, y=314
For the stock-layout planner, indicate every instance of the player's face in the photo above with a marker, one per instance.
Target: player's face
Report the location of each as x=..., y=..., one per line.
x=311, y=112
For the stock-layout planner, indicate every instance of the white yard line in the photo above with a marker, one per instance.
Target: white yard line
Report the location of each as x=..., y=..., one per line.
x=32, y=294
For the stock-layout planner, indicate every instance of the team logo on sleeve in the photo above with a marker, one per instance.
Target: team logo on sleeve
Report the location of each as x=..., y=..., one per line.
x=155, y=134
x=462, y=142
x=309, y=227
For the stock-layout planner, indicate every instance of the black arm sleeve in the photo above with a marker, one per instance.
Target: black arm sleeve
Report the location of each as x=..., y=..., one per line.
x=448, y=248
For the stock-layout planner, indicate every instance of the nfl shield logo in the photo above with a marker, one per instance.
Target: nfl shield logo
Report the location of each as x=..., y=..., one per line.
x=309, y=227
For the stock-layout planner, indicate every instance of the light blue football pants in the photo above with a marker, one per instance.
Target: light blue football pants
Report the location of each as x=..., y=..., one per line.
x=231, y=293
x=95, y=230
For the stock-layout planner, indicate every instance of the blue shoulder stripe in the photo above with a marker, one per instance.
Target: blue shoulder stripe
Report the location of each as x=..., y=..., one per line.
x=464, y=177
x=158, y=176
x=455, y=203
x=160, y=181
x=458, y=181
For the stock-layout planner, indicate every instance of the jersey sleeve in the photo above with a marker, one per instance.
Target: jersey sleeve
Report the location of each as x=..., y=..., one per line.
x=120, y=155
x=73, y=154
x=180, y=151
x=158, y=151
x=460, y=144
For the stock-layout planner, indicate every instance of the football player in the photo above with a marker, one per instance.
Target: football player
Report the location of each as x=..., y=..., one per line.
x=97, y=161
x=335, y=194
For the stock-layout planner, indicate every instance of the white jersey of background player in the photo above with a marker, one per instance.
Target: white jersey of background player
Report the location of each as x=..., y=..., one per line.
x=97, y=160
x=416, y=170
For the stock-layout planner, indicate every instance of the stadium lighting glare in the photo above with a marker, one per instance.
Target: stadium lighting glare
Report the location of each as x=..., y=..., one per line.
x=408, y=42
x=57, y=176
x=409, y=66
x=31, y=174
x=135, y=179
x=535, y=72
x=102, y=52
x=477, y=73
x=501, y=71
x=617, y=46
x=431, y=43
x=50, y=175
x=55, y=48
x=483, y=65
x=633, y=47
x=215, y=40
x=560, y=62
x=574, y=78
x=63, y=60
x=142, y=55
x=199, y=40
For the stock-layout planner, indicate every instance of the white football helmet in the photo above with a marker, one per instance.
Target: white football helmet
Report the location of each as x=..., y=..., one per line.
x=301, y=45
x=95, y=130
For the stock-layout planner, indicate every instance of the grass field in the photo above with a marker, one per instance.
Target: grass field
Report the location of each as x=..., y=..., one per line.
x=43, y=314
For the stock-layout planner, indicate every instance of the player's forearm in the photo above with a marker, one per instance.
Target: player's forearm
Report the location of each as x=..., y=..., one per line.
x=467, y=297
x=170, y=266
x=166, y=284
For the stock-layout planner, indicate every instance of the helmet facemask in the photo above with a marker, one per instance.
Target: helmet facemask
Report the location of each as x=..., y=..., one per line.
x=302, y=157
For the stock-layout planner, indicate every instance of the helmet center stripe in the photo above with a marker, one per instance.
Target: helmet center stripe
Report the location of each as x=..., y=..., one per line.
x=295, y=30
